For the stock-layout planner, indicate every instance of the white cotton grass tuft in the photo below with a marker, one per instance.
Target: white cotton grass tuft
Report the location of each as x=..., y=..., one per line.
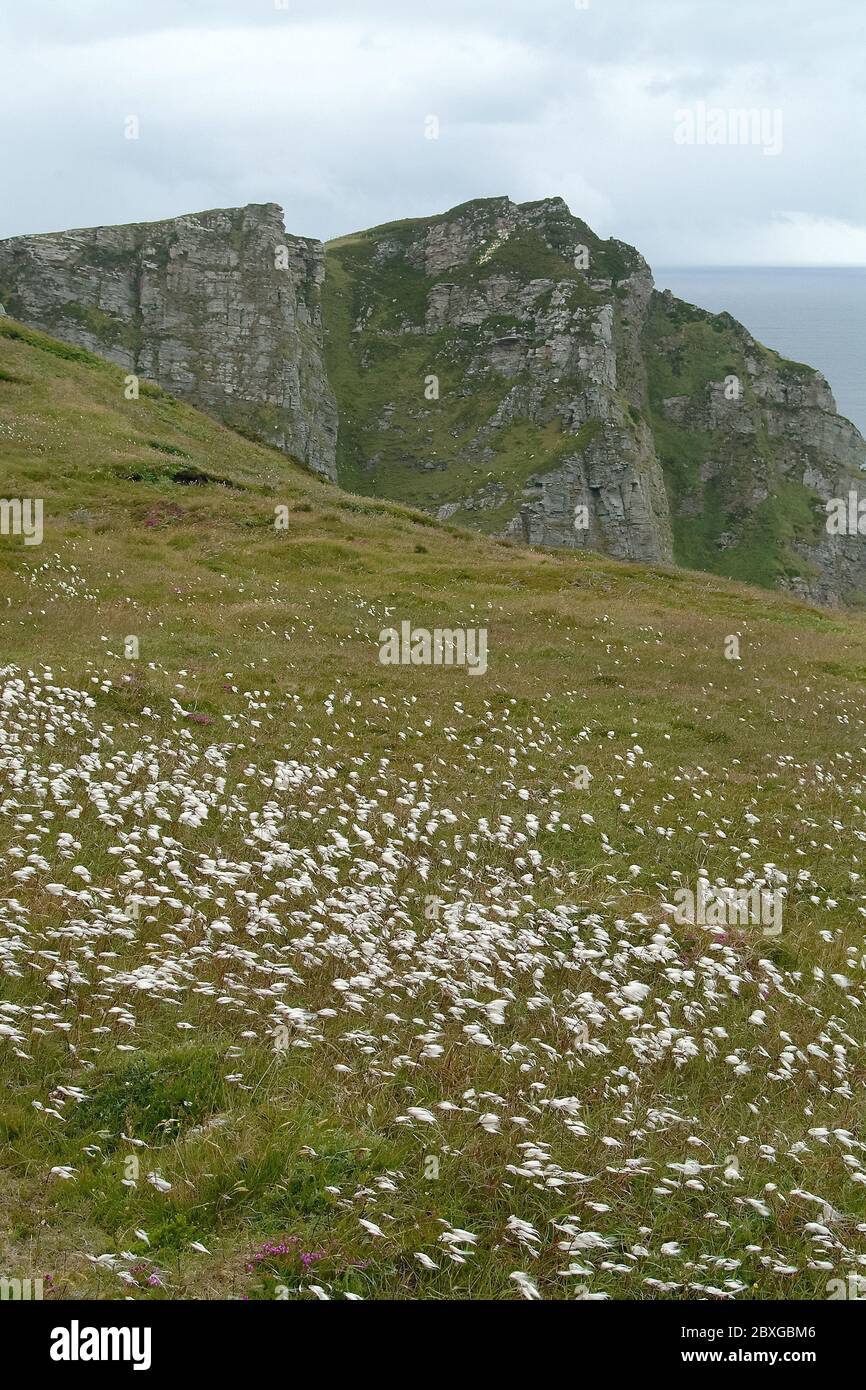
x=479, y=1015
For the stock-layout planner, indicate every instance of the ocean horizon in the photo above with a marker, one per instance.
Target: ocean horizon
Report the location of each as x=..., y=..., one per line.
x=811, y=314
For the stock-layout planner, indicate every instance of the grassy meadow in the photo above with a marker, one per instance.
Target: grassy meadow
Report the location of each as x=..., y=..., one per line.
x=321, y=978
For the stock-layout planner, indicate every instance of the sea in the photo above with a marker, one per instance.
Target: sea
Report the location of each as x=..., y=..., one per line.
x=809, y=314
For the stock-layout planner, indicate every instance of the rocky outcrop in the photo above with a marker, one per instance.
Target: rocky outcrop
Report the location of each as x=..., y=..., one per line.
x=498, y=365
x=522, y=327
x=608, y=495
x=753, y=451
x=502, y=366
x=220, y=308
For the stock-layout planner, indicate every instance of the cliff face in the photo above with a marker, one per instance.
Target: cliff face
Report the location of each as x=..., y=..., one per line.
x=752, y=449
x=503, y=366
x=220, y=308
x=499, y=364
x=487, y=367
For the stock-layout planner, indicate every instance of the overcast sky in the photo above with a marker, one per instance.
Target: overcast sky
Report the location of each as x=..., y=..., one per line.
x=323, y=107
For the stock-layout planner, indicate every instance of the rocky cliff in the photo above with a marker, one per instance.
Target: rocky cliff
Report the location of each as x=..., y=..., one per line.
x=752, y=450
x=220, y=308
x=499, y=365
x=487, y=367
x=503, y=366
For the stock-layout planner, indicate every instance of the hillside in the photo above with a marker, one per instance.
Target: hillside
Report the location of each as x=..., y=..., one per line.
x=499, y=365
x=323, y=977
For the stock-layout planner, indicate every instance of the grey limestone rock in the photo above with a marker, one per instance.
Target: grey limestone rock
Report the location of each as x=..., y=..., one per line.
x=220, y=308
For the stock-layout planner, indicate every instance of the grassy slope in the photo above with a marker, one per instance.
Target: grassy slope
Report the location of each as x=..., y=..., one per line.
x=258, y=648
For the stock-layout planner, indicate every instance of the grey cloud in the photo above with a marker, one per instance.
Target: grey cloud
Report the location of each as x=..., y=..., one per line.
x=322, y=108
